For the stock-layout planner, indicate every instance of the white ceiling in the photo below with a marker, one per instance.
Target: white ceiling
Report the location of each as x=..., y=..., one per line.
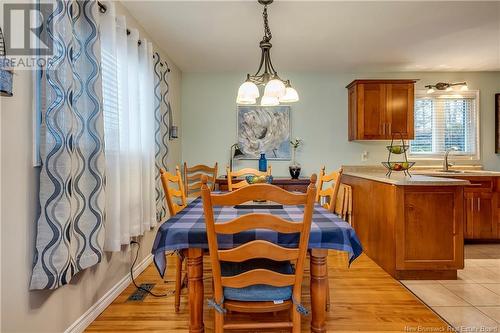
x=203, y=36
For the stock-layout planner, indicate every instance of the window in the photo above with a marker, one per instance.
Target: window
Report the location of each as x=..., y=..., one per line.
x=444, y=120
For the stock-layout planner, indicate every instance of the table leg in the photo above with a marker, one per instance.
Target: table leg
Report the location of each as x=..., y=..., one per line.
x=318, y=289
x=194, y=259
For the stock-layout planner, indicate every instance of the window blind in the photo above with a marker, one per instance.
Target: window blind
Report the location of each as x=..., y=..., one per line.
x=444, y=120
x=110, y=99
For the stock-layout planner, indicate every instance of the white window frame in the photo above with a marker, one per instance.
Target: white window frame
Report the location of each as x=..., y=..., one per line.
x=456, y=155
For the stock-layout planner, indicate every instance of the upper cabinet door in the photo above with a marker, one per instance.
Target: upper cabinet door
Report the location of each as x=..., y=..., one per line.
x=379, y=109
x=400, y=105
x=372, y=111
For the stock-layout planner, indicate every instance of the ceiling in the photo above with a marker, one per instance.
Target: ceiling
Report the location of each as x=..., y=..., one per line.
x=202, y=36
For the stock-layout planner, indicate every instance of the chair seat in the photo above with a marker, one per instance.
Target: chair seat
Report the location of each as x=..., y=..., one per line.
x=258, y=292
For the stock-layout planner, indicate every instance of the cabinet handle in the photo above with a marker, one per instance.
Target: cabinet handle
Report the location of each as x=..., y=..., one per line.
x=472, y=204
x=383, y=128
x=478, y=204
x=389, y=125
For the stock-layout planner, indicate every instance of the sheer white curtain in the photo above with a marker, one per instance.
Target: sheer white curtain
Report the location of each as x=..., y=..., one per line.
x=147, y=114
x=128, y=86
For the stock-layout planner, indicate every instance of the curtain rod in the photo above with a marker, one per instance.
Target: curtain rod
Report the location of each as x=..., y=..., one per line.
x=103, y=9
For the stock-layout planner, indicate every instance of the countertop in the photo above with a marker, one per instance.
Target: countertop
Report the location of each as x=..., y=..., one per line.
x=399, y=179
x=462, y=172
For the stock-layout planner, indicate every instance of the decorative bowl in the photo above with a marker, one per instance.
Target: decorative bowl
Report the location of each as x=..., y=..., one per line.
x=398, y=166
x=398, y=149
x=259, y=179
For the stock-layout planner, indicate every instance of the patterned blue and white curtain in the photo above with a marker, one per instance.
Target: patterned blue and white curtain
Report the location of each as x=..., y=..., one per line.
x=70, y=227
x=162, y=123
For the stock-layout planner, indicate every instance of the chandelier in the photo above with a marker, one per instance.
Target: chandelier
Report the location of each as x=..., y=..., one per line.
x=276, y=90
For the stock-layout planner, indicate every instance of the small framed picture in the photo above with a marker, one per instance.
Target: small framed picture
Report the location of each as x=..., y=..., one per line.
x=497, y=123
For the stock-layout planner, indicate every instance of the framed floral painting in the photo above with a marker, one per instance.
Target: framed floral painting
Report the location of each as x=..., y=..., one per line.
x=264, y=128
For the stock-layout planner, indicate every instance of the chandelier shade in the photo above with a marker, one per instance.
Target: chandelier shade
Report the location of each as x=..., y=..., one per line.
x=291, y=96
x=247, y=93
x=276, y=89
x=269, y=101
x=246, y=101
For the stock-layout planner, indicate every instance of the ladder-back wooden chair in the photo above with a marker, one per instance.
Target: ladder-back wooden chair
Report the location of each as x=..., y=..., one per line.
x=192, y=178
x=331, y=191
x=172, y=193
x=257, y=277
x=243, y=172
x=343, y=206
x=174, y=207
x=330, y=194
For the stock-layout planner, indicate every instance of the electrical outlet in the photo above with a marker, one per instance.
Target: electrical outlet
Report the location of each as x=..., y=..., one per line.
x=364, y=156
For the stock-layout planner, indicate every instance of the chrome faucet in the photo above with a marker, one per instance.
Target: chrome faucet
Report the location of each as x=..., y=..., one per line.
x=446, y=165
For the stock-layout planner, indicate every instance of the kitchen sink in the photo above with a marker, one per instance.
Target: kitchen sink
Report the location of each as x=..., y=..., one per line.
x=450, y=171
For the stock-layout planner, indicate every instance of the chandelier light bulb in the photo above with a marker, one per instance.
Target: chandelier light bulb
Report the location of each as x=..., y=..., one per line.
x=464, y=87
x=291, y=96
x=430, y=90
x=275, y=88
x=449, y=88
x=269, y=101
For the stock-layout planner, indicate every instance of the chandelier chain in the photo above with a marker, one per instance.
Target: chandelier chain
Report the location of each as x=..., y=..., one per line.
x=267, y=31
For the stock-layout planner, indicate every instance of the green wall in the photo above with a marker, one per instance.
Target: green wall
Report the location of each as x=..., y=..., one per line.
x=320, y=118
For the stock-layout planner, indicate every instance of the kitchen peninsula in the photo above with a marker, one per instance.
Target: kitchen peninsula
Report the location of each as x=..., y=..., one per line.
x=413, y=227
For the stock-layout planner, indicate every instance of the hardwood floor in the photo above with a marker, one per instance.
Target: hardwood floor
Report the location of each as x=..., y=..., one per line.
x=364, y=299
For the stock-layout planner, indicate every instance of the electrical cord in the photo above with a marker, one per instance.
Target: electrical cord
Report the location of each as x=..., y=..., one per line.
x=132, y=275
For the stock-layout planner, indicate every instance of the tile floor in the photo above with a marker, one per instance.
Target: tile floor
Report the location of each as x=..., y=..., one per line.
x=472, y=302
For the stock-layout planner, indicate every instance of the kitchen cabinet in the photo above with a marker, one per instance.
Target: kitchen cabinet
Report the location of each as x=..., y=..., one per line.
x=411, y=231
x=400, y=109
x=380, y=109
x=482, y=210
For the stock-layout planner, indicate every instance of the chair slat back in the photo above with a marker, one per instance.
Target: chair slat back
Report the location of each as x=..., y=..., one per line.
x=258, y=276
x=192, y=178
x=171, y=193
x=243, y=172
x=330, y=192
x=257, y=221
x=343, y=206
x=258, y=248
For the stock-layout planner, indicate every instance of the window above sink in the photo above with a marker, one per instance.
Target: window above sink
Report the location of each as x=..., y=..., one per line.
x=446, y=119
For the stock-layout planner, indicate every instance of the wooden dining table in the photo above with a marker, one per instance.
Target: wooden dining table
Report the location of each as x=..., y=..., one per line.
x=186, y=233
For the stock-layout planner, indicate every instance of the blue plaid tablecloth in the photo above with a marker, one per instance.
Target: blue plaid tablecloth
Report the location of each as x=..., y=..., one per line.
x=187, y=230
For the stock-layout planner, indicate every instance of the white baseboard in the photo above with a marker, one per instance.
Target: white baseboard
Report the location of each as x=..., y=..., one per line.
x=95, y=310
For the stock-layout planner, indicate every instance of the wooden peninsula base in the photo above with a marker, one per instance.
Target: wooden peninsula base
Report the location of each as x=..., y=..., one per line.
x=411, y=227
